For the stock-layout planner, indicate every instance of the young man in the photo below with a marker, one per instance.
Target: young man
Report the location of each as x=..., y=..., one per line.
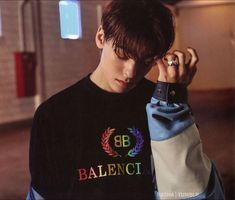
x=94, y=140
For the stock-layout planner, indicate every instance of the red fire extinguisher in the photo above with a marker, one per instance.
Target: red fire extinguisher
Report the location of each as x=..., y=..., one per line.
x=25, y=67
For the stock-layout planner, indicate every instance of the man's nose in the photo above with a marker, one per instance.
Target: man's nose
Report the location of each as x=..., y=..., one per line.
x=130, y=69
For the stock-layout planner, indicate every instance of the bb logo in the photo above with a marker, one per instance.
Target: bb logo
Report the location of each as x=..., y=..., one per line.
x=122, y=141
x=118, y=145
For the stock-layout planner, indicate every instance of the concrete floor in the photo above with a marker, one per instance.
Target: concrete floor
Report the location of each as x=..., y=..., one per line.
x=216, y=124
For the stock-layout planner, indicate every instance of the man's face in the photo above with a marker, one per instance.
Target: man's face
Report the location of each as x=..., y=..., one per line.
x=118, y=74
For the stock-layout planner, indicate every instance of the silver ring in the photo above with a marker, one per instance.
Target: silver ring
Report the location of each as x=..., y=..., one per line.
x=173, y=63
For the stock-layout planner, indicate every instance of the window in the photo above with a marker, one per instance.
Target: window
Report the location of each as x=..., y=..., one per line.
x=70, y=19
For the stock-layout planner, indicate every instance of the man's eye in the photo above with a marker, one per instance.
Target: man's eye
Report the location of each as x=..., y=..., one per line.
x=149, y=63
x=122, y=57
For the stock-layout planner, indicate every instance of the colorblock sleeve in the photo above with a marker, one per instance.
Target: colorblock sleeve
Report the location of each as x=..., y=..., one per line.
x=182, y=170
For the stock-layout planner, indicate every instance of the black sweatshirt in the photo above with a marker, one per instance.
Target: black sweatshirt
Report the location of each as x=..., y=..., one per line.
x=89, y=144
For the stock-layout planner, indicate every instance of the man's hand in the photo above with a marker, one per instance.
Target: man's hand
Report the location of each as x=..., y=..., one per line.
x=183, y=73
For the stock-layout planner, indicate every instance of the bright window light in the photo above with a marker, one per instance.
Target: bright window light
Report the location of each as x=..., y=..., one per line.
x=70, y=19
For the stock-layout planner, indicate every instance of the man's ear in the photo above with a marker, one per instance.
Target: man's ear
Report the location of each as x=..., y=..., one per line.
x=99, y=38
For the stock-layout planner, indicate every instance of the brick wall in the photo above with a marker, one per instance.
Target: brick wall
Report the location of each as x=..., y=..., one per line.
x=11, y=108
x=66, y=61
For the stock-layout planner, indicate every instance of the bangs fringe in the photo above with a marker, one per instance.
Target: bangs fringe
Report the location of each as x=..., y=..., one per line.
x=137, y=47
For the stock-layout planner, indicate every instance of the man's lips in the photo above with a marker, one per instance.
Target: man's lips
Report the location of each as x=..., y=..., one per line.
x=123, y=83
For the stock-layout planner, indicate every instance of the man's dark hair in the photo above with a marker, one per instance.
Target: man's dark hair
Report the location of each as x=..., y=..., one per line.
x=141, y=29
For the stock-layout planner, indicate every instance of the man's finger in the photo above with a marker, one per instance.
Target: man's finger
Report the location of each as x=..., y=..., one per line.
x=172, y=69
x=193, y=57
x=161, y=65
x=181, y=58
x=170, y=57
x=162, y=70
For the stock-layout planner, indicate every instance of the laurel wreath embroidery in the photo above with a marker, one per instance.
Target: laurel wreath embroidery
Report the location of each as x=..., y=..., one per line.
x=139, y=142
x=105, y=143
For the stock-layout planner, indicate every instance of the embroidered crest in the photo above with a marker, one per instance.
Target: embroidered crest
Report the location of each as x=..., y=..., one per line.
x=122, y=141
x=105, y=143
x=139, y=142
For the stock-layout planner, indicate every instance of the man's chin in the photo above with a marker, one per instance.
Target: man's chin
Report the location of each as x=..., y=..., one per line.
x=124, y=90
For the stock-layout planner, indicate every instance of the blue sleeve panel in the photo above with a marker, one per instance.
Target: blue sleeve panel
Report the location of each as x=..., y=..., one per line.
x=33, y=195
x=30, y=195
x=167, y=120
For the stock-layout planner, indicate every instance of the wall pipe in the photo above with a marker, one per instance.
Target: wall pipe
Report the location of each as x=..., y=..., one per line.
x=38, y=39
x=38, y=46
x=21, y=24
